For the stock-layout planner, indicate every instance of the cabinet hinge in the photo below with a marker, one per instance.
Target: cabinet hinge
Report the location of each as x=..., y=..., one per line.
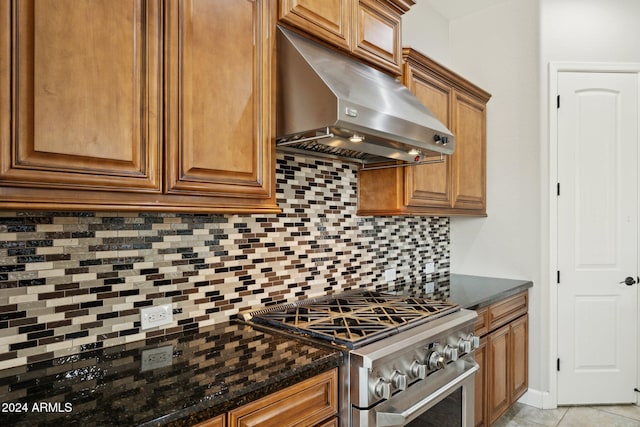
x=558, y=189
x=558, y=364
x=558, y=101
x=558, y=278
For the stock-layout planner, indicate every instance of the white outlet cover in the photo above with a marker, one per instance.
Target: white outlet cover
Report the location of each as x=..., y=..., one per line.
x=429, y=268
x=160, y=315
x=156, y=358
x=390, y=275
x=429, y=287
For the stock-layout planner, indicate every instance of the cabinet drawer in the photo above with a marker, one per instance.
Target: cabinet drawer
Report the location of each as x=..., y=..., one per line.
x=507, y=310
x=482, y=322
x=306, y=403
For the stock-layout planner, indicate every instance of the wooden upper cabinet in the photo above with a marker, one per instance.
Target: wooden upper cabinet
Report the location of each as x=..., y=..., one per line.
x=79, y=101
x=430, y=185
x=469, y=160
x=456, y=186
x=368, y=29
x=329, y=20
x=138, y=105
x=219, y=118
x=377, y=35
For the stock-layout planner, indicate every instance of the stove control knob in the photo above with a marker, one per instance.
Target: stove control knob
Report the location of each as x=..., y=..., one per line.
x=450, y=353
x=435, y=360
x=418, y=370
x=464, y=346
x=399, y=380
x=382, y=389
x=475, y=341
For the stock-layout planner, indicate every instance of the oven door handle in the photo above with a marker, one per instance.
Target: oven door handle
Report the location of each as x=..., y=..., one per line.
x=391, y=419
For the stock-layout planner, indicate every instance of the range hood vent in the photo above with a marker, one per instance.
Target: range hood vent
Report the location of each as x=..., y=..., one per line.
x=331, y=104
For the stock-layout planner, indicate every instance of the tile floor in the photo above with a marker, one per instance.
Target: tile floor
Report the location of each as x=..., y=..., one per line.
x=521, y=415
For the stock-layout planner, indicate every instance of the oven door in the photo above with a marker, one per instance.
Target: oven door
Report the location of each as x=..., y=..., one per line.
x=403, y=408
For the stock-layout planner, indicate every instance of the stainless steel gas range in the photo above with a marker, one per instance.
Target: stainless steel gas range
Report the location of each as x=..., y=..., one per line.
x=405, y=355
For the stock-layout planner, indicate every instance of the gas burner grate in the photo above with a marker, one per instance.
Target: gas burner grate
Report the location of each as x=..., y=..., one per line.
x=356, y=319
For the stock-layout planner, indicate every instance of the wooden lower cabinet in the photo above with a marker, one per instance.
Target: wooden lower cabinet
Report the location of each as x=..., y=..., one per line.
x=218, y=421
x=503, y=358
x=312, y=402
x=480, y=417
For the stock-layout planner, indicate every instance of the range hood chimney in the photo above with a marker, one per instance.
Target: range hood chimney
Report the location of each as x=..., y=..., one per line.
x=332, y=104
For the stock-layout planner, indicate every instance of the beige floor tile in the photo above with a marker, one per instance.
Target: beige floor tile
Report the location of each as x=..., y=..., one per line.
x=590, y=417
x=524, y=415
x=629, y=411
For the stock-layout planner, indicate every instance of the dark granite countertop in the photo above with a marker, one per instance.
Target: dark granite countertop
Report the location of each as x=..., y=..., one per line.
x=211, y=371
x=474, y=292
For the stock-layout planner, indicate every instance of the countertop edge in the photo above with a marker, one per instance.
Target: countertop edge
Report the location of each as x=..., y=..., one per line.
x=204, y=411
x=508, y=287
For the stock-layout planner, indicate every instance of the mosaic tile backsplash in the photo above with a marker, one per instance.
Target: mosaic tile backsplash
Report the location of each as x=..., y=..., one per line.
x=75, y=281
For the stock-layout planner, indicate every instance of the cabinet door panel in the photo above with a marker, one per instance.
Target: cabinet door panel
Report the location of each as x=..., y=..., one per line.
x=220, y=105
x=519, y=358
x=469, y=159
x=498, y=373
x=480, y=384
x=377, y=35
x=326, y=19
x=430, y=185
x=85, y=102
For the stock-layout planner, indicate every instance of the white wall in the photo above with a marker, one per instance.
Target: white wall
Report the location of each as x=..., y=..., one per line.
x=497, y=48
x=425, y=30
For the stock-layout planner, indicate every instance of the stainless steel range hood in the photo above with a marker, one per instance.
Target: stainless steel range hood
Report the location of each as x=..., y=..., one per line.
x=330, y=103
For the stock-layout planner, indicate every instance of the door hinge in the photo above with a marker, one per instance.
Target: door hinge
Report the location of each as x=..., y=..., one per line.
x=558, y=278
x=558, y=101
x=558, y=189
x=558, y=364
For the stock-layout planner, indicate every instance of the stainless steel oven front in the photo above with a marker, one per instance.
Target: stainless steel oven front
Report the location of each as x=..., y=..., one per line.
x=421, y=377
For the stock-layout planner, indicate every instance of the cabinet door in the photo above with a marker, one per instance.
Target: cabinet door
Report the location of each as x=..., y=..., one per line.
x=307, y=403
x=329, y=20
x=429, y=185
x=480, y=384
x=469, y=158
x=219, y=81
x=519, y=357
x=377, y=35
x=498, y=373
x=79, y=95
x=218, y=421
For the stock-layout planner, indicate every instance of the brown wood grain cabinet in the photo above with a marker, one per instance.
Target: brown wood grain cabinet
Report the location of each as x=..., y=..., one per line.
x=309, y=403
x=458, y=185
x=480, y=383
x=219, y=421
x=137, y=105
x=502, y=356
x=367, y=29
x=312, y=402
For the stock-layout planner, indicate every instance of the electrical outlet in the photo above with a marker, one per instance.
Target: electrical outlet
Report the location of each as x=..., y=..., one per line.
x=429, y=287
x=390, y=275
x=151, y=317
x=156, y=358
x=429, y=268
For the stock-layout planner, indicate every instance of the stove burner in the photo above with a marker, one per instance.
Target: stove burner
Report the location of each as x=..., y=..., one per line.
x=355, y=319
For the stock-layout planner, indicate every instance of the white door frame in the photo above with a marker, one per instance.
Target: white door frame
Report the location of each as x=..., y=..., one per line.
x=554, y=69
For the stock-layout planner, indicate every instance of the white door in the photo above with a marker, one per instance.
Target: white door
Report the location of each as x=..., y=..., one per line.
x=597, y=237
